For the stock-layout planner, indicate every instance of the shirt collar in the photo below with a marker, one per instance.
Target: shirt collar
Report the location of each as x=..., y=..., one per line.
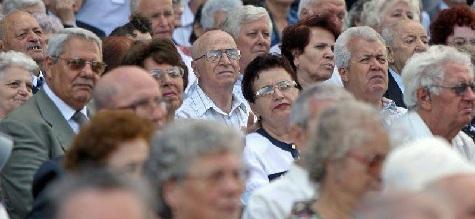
x=66, y=110
x=199, y=94
x=397, y=77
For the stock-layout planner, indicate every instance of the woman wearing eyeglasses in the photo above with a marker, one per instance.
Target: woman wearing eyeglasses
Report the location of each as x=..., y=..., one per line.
x=161, y=58
x=269, y=85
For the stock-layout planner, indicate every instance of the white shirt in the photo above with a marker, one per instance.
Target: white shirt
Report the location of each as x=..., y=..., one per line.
x=411, y=127
x=105, y=14
x=64, y=108
x=276, y=199
x=198, y=105
x=263, y=160
x=182, y=34
x=390, y=112
x=191, y=74
x=398, y=79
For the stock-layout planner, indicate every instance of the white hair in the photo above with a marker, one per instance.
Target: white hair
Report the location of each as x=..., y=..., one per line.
x=49, y=24
x=213, y=6
x=373, y=11
x=428, y=68
x=17, y=59
x=58, y=40
x=12, y=5
x=342, y=52
x=244, y=15
x=414, y=165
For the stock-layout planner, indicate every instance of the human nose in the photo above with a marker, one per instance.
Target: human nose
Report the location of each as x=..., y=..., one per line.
x=421, y=46
x=329, y=53
x=224, y=58
x=23, y=90
x=233, y=185
x=470, y=95
x=277, y=93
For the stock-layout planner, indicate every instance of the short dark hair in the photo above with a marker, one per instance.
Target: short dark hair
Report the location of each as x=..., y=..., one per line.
x=137, y=22
x=259, y=64
x=297, y=36
x=162, y=51
x=443, y=25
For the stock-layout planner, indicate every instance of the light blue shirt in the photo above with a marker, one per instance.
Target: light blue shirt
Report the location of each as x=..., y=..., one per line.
x=398, y=79
x=105, y=14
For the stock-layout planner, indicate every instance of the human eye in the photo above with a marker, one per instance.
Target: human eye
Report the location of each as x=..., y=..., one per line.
x=425, y=40
x=409, y=40
x=264, y=91
x=29, y=86
x=168, y=13
x=459, y=42
x=321, y=46
x=410, y=15
x=365, y=59
x=381, y=59
x=266, y=34
x=38, y=31
x=252, y=34
x=14, y=84
x=21, y=35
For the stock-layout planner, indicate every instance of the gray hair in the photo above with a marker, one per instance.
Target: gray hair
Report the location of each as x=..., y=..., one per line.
x=304, y=4
x=342, y=44
x=176, y=147
x=133, y=6
x=12, y=5
x=373, y=11
x=354, y=14
x=428, y=68
x=17, y=59
x=244, y=15
x=49, y=24
x=58, y=40
x=212, y=6
x=300, y=114
x=340, y=127
x=58, y=194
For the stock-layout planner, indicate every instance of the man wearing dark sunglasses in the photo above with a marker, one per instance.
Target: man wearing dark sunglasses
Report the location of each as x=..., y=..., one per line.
x=216, y=65
x=44, y=127
x=440, y=98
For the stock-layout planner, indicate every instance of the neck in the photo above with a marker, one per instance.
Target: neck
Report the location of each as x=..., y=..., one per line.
x=334, y=204
x=439, y=126
x=221, y=97
x=279, y=132
x=375, y=101
x=279, y=10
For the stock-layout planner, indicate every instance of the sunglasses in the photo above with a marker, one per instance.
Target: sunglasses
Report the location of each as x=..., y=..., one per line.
x=76, y=64
x=173, y=72
x=459, y=89
x=270, y=89
x=216, y=54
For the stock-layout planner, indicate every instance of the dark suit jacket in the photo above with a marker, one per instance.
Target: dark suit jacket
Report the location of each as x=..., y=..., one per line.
x=40, y=133
x=394, y=92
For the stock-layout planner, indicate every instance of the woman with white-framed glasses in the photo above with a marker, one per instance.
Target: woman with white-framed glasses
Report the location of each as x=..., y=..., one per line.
x=269, y=85
x=161, y=58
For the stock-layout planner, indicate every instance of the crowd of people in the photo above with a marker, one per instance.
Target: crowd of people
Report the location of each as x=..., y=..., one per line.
x=227, y=109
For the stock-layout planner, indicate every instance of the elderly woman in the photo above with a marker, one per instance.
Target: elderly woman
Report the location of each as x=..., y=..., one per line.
x=382, y=13
x=15, y=80
x=196, y=167
x=440, y=98
x=251, y=28
x=308, y=45
x=161, y=58
x=270, y=86
x=344, y=159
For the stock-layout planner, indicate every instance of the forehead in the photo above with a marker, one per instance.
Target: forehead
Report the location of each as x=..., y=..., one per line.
x=82, y=48
x=20, y=21
x=216, y=161
x=457, y=72
x=271, y=76
x=326, y=4
x=360, y=47
x=261, y=23
x=410, y=27
x=396, y=5
x=219, y=40
x=152, y=6
x=15, y=72
x=465, y=32
x=378, y=139
x=321, y=33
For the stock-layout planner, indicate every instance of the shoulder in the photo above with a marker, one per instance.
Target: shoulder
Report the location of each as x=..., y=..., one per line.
x=256, y=142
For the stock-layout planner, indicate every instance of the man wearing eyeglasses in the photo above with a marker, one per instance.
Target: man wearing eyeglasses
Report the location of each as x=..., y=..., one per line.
x=216, y=65
x=362, y=60
x=440, y=98
x=44, y=127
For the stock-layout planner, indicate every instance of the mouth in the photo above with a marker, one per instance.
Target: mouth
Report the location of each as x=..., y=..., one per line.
x=328, y=66
x=226, y=73
x=34, y=47
x=281, y=106
x=260, y=51
x=84, y=86
x=169, y=94
x=377, y=76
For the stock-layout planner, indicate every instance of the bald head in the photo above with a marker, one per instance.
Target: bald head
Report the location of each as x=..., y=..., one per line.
x=206, y=41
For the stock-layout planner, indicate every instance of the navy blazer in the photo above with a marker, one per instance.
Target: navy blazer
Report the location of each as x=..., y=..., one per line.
x=394, y=92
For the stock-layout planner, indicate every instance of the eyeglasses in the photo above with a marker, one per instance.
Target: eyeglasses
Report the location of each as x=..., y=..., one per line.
x=78, y=63
x=459, y=42
x=281, y=86
x=173, y=72
x=215, y=55
x=147, y=105
x=459, y=89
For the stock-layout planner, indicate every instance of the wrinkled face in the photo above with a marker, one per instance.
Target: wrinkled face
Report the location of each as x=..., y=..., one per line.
x=102, y=204
x=172, y=87
x=212, y=188
x=15, y=88
x=161, y=14
x=363, y=163
x=275, y=107
x=456, y=110
x=254, y=40
x=463, y=38
x=129, y=157
x=222, y=73
x=367, y=74
x=336, y=9
x=395, y=11
x=73, y=86
x=24, y=34
x=316, y=62
x=410, y=38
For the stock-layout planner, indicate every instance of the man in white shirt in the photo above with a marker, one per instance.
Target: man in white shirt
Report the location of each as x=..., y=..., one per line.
x=276, y=199
x=440, y=97
x=216, y=65
x=44, y=127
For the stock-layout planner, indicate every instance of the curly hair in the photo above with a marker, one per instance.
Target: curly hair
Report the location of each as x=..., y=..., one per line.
x=443, y=25
x=99, y=138
x=296, y=37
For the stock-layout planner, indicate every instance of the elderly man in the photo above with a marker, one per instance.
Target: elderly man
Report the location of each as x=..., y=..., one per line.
x=403, y=39
x=132, y=88
x=196, y=167
x=160, y=13
x=216, y=64
x=276, y=199
x=44, y=126
x=362, y=60
x=336, y=8
x=216, y=12
x=30, y=6
x=437, y=97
